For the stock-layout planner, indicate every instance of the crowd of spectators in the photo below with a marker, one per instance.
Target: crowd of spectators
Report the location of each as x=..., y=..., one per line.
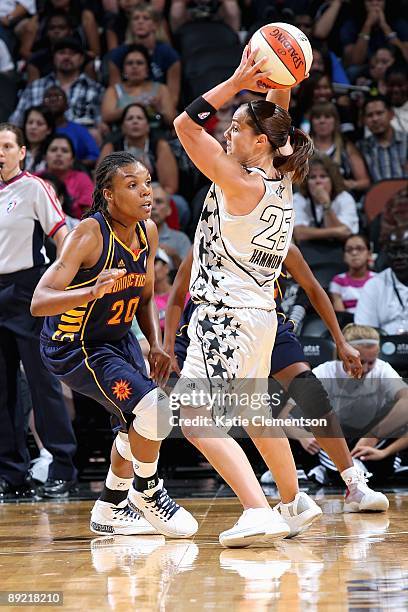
x=83, y=78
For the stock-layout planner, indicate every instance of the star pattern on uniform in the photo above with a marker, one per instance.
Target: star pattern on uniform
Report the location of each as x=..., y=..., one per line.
x=206, y=214
x=234, y=333
x=211, y=194
x=219, y=305
x=206, y=324
x=229, y=353
x=214, y=344
x=218, y=369
x=227, y=321
x=201, y=249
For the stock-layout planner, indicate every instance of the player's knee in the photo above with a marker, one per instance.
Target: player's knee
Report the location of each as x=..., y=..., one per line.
x=310, y=395
x=153, y=416
x=123, y=446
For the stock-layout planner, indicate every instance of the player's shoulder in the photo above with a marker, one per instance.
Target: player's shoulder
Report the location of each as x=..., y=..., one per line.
x=88, y=232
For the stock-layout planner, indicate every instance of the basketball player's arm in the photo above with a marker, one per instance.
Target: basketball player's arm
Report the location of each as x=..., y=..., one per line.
x=175, y=306
x=206, y=152
x=78, y=250
x=280, y=97
x=147, y=315
x=298, y=268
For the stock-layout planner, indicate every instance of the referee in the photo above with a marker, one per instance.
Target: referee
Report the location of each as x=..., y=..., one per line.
x=29, y=209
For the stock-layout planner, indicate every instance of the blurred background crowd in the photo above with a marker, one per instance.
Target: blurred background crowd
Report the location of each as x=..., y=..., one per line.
x=83, y=78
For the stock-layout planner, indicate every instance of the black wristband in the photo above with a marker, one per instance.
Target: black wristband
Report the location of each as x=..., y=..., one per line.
x=200, y=111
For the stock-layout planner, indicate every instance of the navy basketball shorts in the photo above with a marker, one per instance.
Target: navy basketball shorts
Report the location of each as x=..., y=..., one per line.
x=287, y=349
x=112, y=373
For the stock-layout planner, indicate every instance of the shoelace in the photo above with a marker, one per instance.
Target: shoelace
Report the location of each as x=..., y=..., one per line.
x=162, y=502
x=127, y=512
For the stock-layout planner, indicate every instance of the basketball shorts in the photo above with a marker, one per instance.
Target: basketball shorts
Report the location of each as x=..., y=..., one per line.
x=229, y=351
x=112, y=373
x=287, y=349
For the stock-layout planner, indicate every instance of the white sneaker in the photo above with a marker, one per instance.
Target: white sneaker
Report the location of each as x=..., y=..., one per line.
x=360, y=498
x=107, y=518
x=255, y=526
x=300, y=513
x=163, y=512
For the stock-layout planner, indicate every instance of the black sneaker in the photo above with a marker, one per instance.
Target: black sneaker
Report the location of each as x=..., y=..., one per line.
x=59, y=488
x=10, y=492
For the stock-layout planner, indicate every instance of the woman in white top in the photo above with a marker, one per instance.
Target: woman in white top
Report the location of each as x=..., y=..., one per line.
x=241, y=240
x=324, y=210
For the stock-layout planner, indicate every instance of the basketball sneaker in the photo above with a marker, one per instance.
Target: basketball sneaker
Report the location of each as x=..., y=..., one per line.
x=107, y=518
x=299, y=514
x=255, y=526
x=163, y=512
x=359, y=496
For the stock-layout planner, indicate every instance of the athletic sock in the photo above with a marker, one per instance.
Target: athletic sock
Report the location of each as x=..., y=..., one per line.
x=115, y=489
x=348, y=473
x=145, y=475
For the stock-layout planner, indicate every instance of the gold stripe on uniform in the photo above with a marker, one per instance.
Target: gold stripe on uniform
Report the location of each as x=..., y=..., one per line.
x=95, y=277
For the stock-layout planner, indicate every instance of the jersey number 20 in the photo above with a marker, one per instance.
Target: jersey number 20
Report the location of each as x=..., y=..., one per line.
x=275, y=236
x=118, y=308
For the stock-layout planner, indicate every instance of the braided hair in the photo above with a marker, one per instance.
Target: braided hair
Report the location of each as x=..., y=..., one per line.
x=104, y=174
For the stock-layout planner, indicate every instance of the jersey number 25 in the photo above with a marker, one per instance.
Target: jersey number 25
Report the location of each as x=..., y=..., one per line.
x=275, y=236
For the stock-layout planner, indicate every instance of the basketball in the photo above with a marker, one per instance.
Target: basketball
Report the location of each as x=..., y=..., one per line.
x=288, y=51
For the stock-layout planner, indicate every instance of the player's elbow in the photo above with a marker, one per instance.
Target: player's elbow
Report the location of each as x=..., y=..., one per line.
x=37, y=307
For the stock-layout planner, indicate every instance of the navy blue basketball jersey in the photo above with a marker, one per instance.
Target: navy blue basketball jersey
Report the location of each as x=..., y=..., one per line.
x=110, y=317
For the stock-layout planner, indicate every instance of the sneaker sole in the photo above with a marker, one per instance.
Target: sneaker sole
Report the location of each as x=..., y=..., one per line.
x=100, y=528
x=308, y=518
x=381, y=505
x=259, y=537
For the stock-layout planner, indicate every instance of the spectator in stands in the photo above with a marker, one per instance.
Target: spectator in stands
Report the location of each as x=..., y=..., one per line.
x=328, y=20
x=324, y=210
x=84, y=94
x=82, y=17
x=396, y=87
x=162, y=284
x=385, y=151
x=175, y=243
x=86, y=149
x=319, y=88
x=345, y=288
x=60, y=157
x=65, y=200
x=185, y=11
x=18, y=25
x=327, y=138
x=118, y=23
x=383, y=302
x=379, y=63
x=38, y=126
x=395, y=214
x=148, y=146
x=372, y=26
x=325, y=61
x=137, y=87
x=56, y=26
x=6, y=61
x=369, y=410
x=165, y=61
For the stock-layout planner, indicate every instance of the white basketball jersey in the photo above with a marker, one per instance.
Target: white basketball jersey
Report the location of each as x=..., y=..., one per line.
x=238, y=257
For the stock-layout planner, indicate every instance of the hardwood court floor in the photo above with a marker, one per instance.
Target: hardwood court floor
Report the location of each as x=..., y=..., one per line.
x=346, y=562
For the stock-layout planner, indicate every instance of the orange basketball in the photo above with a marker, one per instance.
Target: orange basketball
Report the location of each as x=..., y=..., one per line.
x=288, y=51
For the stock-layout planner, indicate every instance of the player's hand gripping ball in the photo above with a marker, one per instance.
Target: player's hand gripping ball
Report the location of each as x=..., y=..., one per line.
x=288, y=52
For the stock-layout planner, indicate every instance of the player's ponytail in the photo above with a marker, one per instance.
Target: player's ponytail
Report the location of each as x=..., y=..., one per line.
x=271, y=119
x=104, y=173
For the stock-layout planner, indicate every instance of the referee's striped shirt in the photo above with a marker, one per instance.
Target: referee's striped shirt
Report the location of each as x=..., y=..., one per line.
x=29, y=210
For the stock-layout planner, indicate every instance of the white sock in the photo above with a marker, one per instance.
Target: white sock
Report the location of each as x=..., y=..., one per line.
x=348, y=473
x=116, y=483
x=145, y=470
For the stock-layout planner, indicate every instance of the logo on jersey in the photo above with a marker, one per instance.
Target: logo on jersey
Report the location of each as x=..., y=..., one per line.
x=121, y=264
x=11, y=206
x=121, y=389
x=279, y=191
